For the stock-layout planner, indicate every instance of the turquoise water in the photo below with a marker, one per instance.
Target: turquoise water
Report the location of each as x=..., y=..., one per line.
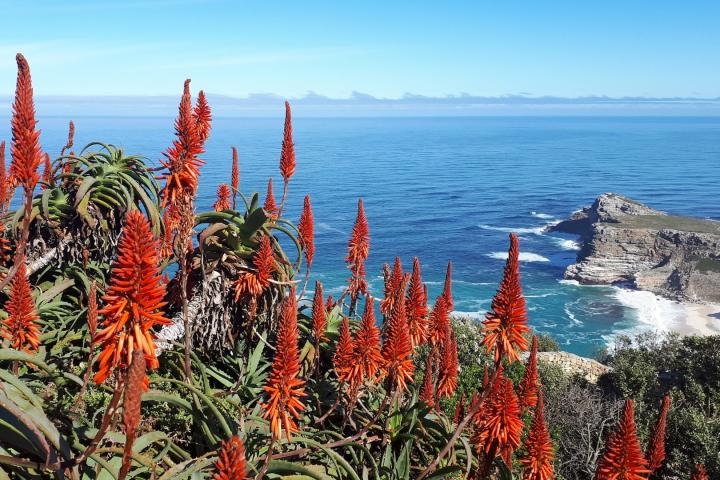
x=452, y=188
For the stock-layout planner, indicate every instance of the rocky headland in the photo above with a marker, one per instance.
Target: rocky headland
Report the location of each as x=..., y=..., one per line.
x=625, y=242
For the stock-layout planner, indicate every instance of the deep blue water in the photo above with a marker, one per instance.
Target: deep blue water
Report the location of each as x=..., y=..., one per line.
x=451, y=188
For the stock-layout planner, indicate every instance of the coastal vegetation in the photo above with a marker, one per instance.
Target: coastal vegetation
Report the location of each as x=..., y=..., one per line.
x=144, y=339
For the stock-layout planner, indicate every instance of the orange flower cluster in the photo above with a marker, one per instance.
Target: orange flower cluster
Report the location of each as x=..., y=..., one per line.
x=131, y=406
x=223, y=198
x=447, y=288
x=367, y=358
x=235, y=177
x=26, y=153
x=439, y=322
x=182, y=159
x=538, y=459
x=47, y=176
x=394, y=286
x=230, y=464
x=70, y=138
x=203, y=117
x=284, y=389
x=530, y=383
x=133, y=300
x=344, y=352
x=287, y=154
x=270, y=206
x=307, y=234
x=358, y=251
x=623, y=458
x=656, y=452
x=253, y=284
x=448, y=372
x=498, y=426
x=417, y=310
x=427, y=392
x=319, y=315
x=397, y=349
x=20, y=327
x=700, y=473
x=506, y=323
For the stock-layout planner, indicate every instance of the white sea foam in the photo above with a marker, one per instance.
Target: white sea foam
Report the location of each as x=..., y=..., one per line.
x=542, y=295
x=575, y=283
x=519, y=230
x=566, y=244
x=544, y=216
x=523, y=257
x=571, y=315
x=651, y=310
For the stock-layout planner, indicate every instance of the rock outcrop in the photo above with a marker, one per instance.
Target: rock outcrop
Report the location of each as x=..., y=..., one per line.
x=573, y=365
x=626, y=242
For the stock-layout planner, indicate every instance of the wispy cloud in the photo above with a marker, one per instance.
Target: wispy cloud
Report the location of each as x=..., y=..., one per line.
x=262, y=57
x=53, y=53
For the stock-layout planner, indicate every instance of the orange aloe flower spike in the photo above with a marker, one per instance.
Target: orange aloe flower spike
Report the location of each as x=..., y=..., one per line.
x=367, y=359
x=133, y=300
x=530, y=383
x=538, y=460
x=287, y=154
x=319, y=315
x=26, y=153
x=397, y=350
x=254, y=283
x=439, y=322
x=358, y=251
x=284, y=388
x=393, y=286
x=459, y=409
x=623, y=458
x=231, y=464
x=503, y=422
x=307, y=234
x=270, y=206
x=223, y=198
x=448, y=372
x=20, y=327
x=700, y=473
x=131, y=406
x=447, y=288
x=427, y=392
x=417, y=310
x=656, y=452
x=506, y=323
x=203, y=117
x=182, y=159
x=344, y=352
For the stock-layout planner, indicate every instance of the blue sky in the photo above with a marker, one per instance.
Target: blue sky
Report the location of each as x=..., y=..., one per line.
x=384, y=48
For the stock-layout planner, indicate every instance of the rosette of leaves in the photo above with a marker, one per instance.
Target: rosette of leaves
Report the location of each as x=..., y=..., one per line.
x=225, y=248
x=78, y=215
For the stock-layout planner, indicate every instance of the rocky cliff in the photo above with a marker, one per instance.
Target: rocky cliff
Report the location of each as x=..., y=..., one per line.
x=624, y=241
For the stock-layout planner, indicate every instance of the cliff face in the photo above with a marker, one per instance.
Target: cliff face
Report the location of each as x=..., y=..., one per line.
x=624, y=241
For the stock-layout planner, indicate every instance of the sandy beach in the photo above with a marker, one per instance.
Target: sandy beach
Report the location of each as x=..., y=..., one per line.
x=700, y=319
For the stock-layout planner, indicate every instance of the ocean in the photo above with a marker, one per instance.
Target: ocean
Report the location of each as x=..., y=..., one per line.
x=451, y=189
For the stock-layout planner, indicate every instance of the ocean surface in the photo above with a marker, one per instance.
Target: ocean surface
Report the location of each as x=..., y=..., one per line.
x=453, y=188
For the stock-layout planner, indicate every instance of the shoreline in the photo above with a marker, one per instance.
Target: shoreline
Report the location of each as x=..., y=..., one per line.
x=659, y=313
x=701, y=319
